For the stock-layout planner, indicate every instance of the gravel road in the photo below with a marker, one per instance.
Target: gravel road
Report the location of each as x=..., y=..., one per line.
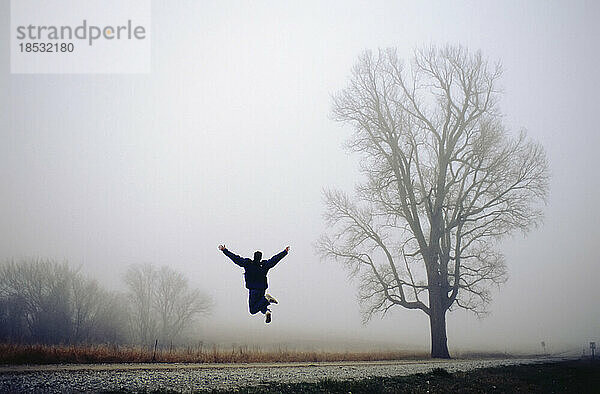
x=199, y=377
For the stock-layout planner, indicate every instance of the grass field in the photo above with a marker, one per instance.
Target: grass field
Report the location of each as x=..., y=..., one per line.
x=581, y=376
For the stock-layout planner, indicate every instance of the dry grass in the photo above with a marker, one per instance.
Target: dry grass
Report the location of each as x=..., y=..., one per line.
x=42, y=354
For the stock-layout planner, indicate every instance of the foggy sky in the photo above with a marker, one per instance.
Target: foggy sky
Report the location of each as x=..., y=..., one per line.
x=228, y=140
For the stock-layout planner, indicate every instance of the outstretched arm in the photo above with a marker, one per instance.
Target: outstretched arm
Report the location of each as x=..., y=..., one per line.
x=275, y=259
x=234, y=257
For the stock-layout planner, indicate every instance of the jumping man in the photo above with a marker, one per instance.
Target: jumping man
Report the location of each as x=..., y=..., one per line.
x=255, y=274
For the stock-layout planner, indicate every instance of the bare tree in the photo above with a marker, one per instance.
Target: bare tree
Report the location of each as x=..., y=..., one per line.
x=48, y=302
x=86, y=295
x=176, y=304
x=37, y=296
x=162, y=303
x=444, y=183
x=98, y=315
x=141, y=281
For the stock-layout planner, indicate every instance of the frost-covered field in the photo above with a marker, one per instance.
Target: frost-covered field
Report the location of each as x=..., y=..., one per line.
x=193, y=377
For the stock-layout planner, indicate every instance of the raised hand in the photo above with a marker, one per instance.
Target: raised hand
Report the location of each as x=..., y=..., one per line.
x=287, y=249
x=221, y=247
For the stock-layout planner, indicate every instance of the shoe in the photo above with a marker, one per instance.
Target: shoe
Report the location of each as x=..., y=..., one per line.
x=268, y=316
x=271, y=299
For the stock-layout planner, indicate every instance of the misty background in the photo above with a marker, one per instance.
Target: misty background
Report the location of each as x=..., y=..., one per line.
x=228, y=140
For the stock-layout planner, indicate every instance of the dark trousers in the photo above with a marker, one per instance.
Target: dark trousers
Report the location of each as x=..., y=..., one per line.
x=257, y=301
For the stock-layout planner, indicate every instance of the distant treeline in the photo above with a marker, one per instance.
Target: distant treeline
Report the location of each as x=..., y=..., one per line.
x=46, y=302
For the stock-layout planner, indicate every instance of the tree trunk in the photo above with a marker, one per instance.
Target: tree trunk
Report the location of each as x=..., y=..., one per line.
x=437, y=322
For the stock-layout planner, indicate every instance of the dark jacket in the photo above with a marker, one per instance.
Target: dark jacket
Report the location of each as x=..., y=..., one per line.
x=255, y=273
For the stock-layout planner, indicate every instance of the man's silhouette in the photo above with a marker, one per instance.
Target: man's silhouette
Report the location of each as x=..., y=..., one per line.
x=255, y=274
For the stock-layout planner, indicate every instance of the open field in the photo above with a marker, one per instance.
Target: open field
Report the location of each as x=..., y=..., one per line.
x=274, y=377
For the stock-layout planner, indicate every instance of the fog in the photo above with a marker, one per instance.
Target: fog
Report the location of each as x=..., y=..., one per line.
x=228, y=140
